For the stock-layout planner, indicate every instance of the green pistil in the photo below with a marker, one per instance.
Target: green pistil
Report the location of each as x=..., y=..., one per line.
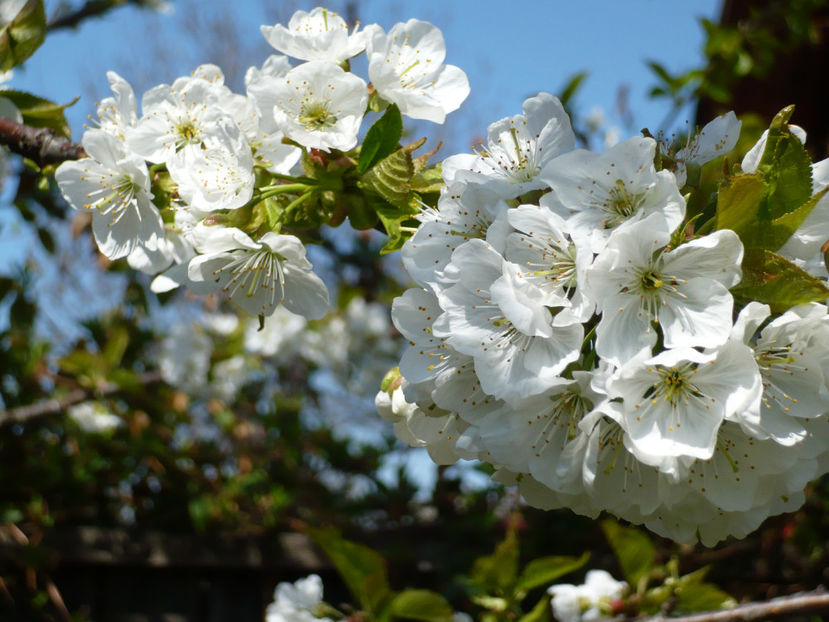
x=776, y=356
x=674, y=384
x=651, y=281
x=188, y=133
x=409, y=68
x=623, y=205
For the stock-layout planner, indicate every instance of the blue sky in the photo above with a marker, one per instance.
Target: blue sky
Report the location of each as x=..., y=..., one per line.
x=509, y=54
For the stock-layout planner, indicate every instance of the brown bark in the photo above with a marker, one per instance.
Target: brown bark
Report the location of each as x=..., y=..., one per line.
x=40, y=144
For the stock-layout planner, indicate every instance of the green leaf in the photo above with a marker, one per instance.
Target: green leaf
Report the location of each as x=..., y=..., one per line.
x=633, y=549
x=782, y=228
x=542, y=612
x=381, y=139
x=421, y=605
x=786, y=167
x=23, y=35
x=497, y=573
x=693, y=594
x=774, y=280
x=545, y=570
x=428, y=180
x=739, y=206
x=391, y=178
x=572, y=86
x=362, y=569
x=39, y=112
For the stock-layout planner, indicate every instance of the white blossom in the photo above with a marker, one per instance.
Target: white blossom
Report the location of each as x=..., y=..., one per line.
x=316, y=35
x=518, y=148
x=406, y=68
x=320, y=106
x=115, y=186
x=258, y=276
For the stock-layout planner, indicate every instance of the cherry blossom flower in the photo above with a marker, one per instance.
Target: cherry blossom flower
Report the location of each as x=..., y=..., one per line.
x=636, y=282
x=518, y=149
x=406, y=68
x=316, y=35
x=115, y=186
x=258, y=276
x=321, y=106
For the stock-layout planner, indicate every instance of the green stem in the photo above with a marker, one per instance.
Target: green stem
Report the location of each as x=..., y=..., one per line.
x=294, y=204
x=270, y=191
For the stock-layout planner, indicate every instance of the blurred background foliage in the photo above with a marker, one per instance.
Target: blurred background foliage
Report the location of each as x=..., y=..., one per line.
x=123, y=410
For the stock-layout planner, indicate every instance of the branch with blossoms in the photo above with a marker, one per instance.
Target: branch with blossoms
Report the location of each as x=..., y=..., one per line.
x=641, y=331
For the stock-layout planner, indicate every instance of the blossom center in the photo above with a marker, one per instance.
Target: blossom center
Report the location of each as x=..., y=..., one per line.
x=621, y=205
x=316, y=116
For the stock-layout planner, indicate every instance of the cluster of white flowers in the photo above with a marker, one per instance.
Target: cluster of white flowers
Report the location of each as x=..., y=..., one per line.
x=569, y=330
x=592, y=600
x=200, y=152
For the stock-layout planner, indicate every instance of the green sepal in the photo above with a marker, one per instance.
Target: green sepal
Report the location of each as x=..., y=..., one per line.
x=23, y=35
x=381, y=139
x=776, y=281
x=391, y=380
x=633, y=549
x=420, y=605
x=362, y=569
x=39, y=112
x=377, y=103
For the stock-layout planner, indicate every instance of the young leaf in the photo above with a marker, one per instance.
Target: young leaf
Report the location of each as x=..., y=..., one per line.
x=633, y=549
x=23, y=35
x=770, y=278
x=572, y=86
x=421, y=605
x=362, y=569
x=381, y=139
x=782, y=228
x=498, y=572
x=545, y=570
x=391, y=177
x=692, y=594
x=739, y=206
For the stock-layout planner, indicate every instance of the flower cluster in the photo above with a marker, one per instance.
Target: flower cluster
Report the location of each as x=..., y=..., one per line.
x=200, y=185
x=605, y=347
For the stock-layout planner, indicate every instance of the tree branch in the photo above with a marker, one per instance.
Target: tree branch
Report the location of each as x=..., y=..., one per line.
x=40, y=144
x=804, y=603
x=53, y=407
x=92, y=8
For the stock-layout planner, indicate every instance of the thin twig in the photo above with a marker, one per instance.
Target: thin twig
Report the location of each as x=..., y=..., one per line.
x=92, y=8
x=40, y=144
x=802, y=604
x=55, y=406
